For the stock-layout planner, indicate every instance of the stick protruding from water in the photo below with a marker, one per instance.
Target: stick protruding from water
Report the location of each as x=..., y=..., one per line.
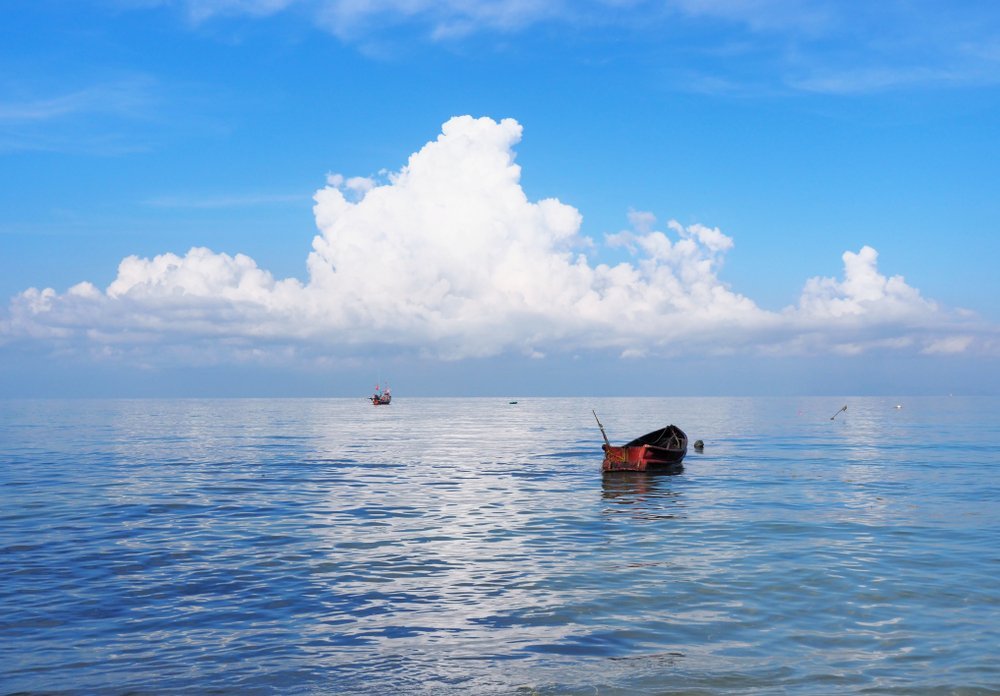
x=606, y=442
x=842, y=409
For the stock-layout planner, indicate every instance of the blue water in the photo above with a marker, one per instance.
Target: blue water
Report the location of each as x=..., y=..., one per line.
x=473, y=546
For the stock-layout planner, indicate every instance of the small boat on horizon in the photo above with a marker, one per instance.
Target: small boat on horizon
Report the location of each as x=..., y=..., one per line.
x=380, y=397
x=661, y=451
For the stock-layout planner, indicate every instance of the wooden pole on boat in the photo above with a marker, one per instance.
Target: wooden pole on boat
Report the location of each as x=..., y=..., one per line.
x=601, y=427
x=844, y=408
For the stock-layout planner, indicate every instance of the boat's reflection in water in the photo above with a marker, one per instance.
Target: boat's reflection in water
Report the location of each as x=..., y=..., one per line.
x=642, y=495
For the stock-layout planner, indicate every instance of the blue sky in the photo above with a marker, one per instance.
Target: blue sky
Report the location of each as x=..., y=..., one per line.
x=665, y=197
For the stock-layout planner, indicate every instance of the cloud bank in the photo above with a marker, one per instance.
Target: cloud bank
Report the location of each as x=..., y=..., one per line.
x=447, y=257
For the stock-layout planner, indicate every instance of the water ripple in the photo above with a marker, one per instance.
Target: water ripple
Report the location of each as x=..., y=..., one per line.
x=442, y=546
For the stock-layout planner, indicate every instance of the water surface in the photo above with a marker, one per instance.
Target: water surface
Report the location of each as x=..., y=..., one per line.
x=473, y=546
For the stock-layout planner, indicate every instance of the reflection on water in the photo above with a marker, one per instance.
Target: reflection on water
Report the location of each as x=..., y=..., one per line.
x=326, y=546
x=642, y=495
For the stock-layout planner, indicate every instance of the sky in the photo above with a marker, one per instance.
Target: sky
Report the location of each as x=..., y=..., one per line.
x=499, y=197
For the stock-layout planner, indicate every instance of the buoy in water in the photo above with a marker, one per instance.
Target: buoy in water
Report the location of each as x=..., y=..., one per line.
x=699, y=445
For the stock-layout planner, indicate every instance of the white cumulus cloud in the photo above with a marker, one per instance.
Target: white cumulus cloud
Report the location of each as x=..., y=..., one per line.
x=863, y=293
x=448, y=257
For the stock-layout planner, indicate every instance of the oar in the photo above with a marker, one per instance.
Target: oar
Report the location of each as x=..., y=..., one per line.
x=601, y=427
x=839, y=412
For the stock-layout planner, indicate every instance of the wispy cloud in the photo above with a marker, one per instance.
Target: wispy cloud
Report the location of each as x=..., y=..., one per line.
x=228, y=201
x=86, y=119
x=129, y=98
x=802, y=17
x=441, y=18
x=791, y=45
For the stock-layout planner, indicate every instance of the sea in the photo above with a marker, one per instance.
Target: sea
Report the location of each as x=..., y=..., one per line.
x=473, y=546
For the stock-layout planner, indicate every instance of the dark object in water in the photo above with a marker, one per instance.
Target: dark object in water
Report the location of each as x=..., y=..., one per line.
x=511, y=402
x=381, y=398
x=662, y=450
x=842, y=409
x=699, y=445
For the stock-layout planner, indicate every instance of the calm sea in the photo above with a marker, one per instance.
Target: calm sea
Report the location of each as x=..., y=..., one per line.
x=472, y=546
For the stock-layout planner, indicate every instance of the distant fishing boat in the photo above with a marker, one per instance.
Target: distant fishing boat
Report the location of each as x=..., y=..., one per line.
x=662, y=450
x=380, y=397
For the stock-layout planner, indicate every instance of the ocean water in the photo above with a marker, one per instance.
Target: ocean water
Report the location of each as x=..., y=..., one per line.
x=472, y=546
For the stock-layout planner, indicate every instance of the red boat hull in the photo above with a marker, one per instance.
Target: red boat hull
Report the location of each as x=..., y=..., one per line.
x=642, y=458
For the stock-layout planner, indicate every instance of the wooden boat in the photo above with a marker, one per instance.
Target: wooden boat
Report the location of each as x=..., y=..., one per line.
x=662, y=451
x=381, y=398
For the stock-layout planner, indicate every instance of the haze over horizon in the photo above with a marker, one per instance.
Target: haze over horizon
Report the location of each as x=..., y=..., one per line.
x=499, y=198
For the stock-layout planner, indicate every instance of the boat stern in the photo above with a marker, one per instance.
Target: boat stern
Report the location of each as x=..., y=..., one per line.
x=642, y=458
